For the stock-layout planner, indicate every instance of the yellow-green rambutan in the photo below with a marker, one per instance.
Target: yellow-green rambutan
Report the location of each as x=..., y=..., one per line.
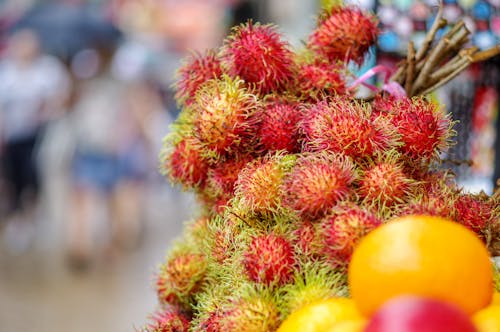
x=223, y=114
x=180, y=277
x=317, y=182
x=257, y=54
x=258, y=188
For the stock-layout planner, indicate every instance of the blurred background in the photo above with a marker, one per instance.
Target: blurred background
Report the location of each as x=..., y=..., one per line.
x=85, y=99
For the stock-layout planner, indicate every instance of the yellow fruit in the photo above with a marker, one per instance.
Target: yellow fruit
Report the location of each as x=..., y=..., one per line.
x=320, y=316
x=496, y=298
x=488, y=319
x=349, y=326
x=424, y=256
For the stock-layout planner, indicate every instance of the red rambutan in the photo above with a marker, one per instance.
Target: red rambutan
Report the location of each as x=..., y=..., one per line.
x=257, y=54
x=473, y=212
x=196, y=70
x=269, y=259
x=385, y=182
x=315, y=80
x=223, y=114
x=424, y=128
x=168, y=320
x=341, y=232
x=184, y=163
x=317, y=182
x=345, y=34
x=304, y=237
x=180, y=277
x=278, y=126
x=341, y=125
x=258, y=188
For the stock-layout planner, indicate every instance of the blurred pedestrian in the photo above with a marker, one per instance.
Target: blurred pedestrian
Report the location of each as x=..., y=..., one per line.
x=33, y=87
x=110, y=164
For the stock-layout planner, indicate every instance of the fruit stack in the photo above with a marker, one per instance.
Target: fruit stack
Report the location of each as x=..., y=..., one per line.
x=292, y=170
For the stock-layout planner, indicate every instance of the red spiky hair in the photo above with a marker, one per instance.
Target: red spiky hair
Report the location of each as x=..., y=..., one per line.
x=185, y=165
x=341, y=125
x=269, y=259
x=320, y=78
x=345, y=34
x=473, y=212
x=278, y=125
x=196, y=70
x=341, y=232
x=258, y=55
x=168, y=320
x=317, y=182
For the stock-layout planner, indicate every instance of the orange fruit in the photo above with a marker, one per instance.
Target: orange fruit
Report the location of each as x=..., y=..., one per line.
x=349, y=326
x=424, y=256
x=321, y=315
x=488, y=319
x=496, y=298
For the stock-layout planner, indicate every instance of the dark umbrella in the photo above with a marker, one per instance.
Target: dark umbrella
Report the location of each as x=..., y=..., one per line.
x=63, y=30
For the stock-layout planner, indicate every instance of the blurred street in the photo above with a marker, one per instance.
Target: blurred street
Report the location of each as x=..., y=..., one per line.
x=39, y=293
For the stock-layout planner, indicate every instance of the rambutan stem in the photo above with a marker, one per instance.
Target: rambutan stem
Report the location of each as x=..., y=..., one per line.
x=439, y=22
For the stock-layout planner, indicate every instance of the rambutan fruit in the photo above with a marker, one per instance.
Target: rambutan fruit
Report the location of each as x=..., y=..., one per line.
x=384, y=182
x=342, y=230
x=269, y=259
x=184, y=163
x=196, y=70
x=344, y=34
x=473, y=212
x=320, y=78
x=250, y=312
x=317, y=182
x=258, y=188
x=304, y=237
x=180, y=278
x=314, y=281
x=257, y=54
x=278, y=125
x=223, y=111
x=222, y=176
x=342, y=125
x=168, y=319
x=423, y=126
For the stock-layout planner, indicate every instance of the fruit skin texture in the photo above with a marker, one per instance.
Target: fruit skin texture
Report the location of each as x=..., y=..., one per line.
x=321, y=315
x=488, y=319
x=424, y=256
x=415, y=314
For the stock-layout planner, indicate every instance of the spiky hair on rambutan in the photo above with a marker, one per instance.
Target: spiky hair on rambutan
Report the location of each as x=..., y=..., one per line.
x=277, y=122
x=314, y=281
x=474, y=212
x=342, y=125
x=259, y=186
x=317, y=182
x=424, y=127
x=384, y=182
x=269, y=259
x=342, y=230
x=257, y=54
x=180, y=277
x=167, y=319
x=320, y=78
x=250, y=309
x=223, y=114
x=184, y=164
x=196, y=70
x=345, y=33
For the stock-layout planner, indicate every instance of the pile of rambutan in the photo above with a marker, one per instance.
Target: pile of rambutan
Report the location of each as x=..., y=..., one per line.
x=291, y=170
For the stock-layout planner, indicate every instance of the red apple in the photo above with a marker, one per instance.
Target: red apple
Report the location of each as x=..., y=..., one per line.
x=415, y=314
